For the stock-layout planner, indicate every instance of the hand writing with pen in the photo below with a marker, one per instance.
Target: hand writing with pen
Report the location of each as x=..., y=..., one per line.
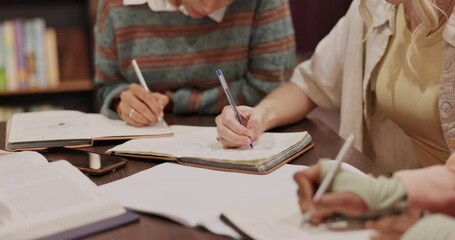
x=381, y=200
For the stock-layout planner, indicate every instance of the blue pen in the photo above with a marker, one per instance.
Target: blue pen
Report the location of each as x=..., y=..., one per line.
x=231, y=99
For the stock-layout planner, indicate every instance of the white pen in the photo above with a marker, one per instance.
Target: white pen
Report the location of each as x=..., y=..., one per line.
x=330, y=175
x=231, y=99
x=142, y=81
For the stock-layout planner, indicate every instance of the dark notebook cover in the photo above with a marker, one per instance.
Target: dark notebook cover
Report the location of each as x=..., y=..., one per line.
x=97, y=227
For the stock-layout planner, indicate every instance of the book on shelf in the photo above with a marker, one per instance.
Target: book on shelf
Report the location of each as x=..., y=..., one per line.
x=197, y=146
x=9, y=47
x=21, y=63
x=29, y=54
x=52, y=57
x=38, y=130
x=38, y=28
x=52, y=200
x=2, y=61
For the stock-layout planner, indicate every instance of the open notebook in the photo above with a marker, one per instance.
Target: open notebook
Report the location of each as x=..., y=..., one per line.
x=37, y=130
x=197, y=197
x=52, y=200
x=197, y=146
x=278, y=216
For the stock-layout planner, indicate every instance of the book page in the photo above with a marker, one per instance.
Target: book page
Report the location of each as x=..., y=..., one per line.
x=46, y=199
x=194, y=196
x=201, y=142
x=13, y=162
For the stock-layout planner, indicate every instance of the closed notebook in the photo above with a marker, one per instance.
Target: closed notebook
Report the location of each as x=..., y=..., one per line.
x=37, y=130
x=197, y=146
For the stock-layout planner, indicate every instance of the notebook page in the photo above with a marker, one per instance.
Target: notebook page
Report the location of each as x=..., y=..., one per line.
x=279, y=217
x=47, y=125
x=101, y=126
x=201, y=143
x=68, y=125
x=195, y=196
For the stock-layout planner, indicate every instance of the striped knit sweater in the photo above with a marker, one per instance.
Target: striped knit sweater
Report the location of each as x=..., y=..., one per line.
x=254, y=46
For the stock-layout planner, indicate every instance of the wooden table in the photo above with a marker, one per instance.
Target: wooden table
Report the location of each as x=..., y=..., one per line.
x=327, y=143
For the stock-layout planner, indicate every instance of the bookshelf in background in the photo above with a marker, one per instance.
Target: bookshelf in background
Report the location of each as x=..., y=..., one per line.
x=56, y=76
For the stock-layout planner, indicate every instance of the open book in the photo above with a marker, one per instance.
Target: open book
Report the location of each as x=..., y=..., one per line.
x=197, y=146
x=35, y=130
x=40, y=199
x=197, y=197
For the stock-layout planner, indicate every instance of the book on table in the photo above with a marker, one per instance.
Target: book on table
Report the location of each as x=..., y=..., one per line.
x=39, y=130
x=197, y=197
x=52, y=200
x=197, y=146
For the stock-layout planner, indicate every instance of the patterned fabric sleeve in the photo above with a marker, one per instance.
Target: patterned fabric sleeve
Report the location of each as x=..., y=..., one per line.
x=108, y=77
x=270, y=63
x=254, y=46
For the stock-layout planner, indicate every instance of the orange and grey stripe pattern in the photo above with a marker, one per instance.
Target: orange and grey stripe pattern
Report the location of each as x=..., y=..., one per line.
x=254, y=45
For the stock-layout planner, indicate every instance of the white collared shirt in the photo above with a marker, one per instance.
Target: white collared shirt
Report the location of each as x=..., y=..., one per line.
x=166, y=6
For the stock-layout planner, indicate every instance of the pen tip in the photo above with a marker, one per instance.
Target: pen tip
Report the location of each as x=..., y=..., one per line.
x=218, y=72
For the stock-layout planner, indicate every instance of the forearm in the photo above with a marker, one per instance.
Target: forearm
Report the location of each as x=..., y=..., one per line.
x=286, y=104
x=213, y=100
x=430, y=188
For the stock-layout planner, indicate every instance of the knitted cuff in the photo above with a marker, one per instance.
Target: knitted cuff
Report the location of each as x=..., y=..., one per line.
x=382, y=195
x=434, y=227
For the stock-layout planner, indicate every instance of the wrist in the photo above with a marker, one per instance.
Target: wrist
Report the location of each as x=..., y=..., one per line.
x=269, y=119
x=382, y=195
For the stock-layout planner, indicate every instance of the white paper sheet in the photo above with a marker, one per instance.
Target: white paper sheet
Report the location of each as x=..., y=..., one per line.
x=197, y=197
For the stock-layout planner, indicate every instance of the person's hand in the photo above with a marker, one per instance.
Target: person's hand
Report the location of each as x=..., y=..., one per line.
x=392, y=227
x=233, y=134
x=139, y=108
x=347, y=203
